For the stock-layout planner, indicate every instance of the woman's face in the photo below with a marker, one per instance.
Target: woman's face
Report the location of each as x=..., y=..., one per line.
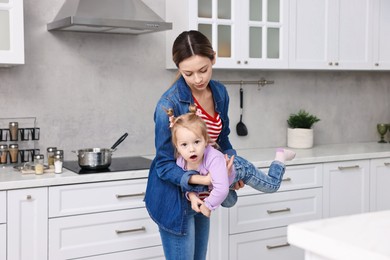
x=197, y=71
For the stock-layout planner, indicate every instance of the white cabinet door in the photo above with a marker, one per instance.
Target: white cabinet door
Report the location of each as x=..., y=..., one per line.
x=346, y=188
x=381, y=38
x=11, y=32
x=248, y=34
x=3, y=207
x=379, y=184
x=101, y=233
x=266, y=244
x=3, y=242
x=149, y=253
x=331, y=34
x=27, y=224
x=271, y=210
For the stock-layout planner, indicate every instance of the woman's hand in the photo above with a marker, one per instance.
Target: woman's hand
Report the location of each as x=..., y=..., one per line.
x=238, y=185
x=195, y=201
x=205, y=210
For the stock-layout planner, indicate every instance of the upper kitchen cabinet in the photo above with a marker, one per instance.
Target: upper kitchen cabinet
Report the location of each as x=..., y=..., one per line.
x=246, y=34
x=381, y=38
x=332, y=34
x=11, y=32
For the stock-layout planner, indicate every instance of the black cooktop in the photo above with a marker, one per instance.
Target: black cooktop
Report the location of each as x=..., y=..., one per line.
x=117, y=164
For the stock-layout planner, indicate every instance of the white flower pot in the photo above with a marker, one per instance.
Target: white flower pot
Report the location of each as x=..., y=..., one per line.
x=300, y=138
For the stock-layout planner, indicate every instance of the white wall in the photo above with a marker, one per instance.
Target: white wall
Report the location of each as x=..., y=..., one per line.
x=88, y=89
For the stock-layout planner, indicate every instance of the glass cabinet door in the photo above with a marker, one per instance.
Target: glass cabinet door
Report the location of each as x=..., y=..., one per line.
x=215, y=21
x=4, y=27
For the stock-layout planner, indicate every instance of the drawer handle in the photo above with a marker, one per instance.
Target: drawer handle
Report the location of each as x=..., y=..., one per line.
x=278, y=246
x=130, y=230
x=278, y=211
x=387, y=164
x=286, y=179
x=28, y=197
x=348, y=167
x=119, y=196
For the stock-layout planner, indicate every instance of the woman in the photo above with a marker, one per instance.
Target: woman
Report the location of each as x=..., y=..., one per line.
x=184, y=232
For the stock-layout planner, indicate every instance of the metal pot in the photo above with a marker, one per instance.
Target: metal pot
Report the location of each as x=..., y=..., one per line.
x=97, y=158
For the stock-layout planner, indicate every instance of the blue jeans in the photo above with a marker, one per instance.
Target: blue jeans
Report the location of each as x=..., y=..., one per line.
x=193, y=245
x=255, y=178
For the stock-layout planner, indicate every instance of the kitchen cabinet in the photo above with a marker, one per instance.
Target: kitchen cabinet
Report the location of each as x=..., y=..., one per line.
x=379, y=184
x=27, y=224
x=257, y=224
x=249, y=34
x=105, y=220
x=381, y=37
x=3, y=229
x=332, y=34
x=11, y=32
x=346, y=188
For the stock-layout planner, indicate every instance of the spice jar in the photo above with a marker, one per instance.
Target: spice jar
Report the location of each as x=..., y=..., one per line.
x=13, y=152
x=59, y=152
x=13, y=130
x=58, y=163
x=38, y=163
x=50, y=156
x=3, y=153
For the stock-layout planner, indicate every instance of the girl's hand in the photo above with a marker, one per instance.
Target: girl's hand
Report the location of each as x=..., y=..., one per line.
x=205, y=210
x=229, y=163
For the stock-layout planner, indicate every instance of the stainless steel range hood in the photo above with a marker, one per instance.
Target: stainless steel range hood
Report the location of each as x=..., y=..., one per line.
x=108, y=16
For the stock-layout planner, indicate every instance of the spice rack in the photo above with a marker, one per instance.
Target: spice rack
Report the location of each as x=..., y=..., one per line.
x=18, y=142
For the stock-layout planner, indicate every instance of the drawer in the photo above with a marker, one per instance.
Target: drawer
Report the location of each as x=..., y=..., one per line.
x=3, y=242
x=269, y=244
x=3, y=207
x=96, y=197
x=296, y=177
x=101, y=233
x=269, y=210
x=155, y=253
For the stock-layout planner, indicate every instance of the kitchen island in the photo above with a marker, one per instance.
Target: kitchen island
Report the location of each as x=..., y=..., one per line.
x=356, y=237
x=107, y=215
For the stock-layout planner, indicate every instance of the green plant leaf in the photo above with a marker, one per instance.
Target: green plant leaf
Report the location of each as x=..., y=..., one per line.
x=302, y=120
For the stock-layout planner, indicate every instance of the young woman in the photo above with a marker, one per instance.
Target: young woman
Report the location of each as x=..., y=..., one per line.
x=184, y=232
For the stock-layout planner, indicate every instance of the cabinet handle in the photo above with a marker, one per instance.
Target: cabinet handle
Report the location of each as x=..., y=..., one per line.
x=286, y=179
x=387, y=164
x=336, y=63
x=278, y=210
x=246, y=62
x=28, y=197
x=377, y=64
x=330, y=63
x=119, y=196
x=238, y=62
x=278, y=246
x=130, y=230
x=348, y=167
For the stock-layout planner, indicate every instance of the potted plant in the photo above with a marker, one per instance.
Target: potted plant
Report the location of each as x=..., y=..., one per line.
x=300, y=131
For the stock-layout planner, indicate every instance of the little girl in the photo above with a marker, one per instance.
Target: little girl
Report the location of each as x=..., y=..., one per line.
x=195, y=152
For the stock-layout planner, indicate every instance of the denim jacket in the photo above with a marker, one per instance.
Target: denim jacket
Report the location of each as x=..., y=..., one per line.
x=167, y=183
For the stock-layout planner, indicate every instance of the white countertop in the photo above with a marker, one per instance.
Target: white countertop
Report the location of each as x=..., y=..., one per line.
x=261, y=157
x=356, y=237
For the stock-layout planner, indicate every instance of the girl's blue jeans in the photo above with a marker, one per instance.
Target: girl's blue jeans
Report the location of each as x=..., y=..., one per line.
x=193, y=245
x=255, y=178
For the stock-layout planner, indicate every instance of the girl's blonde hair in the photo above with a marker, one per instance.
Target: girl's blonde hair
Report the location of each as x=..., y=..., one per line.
x=191, y=121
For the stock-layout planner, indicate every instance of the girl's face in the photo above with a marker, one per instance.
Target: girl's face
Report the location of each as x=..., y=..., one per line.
x=190, y=145
x=197, y=71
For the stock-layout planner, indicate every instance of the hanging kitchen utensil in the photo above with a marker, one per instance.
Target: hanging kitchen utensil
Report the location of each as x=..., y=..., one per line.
x=241, y=127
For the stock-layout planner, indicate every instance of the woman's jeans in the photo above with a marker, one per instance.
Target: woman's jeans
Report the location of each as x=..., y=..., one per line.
x=193, y=245
x=255, y=178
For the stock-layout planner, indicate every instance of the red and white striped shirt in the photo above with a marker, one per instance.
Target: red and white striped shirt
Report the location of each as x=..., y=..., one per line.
x=214, y=123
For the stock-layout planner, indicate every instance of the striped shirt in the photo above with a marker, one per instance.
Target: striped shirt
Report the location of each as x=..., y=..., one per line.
x=214, y=123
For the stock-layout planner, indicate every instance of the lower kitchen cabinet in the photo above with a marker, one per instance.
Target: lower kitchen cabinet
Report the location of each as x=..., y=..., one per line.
x=27, y=224
x=264, y=244
x=3, y=242
x=379, y=184
x=104, y=220
x=101, y=233
x=346, y=188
